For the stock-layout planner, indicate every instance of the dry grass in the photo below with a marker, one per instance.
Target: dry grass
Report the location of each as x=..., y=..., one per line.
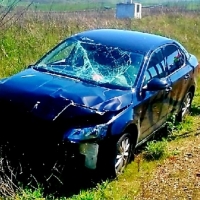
x=26, y=38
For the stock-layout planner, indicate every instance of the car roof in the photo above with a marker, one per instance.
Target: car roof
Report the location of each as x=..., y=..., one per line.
x=128, y=40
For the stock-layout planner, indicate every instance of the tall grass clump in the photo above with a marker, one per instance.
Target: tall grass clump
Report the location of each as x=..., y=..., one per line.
x=155, y=150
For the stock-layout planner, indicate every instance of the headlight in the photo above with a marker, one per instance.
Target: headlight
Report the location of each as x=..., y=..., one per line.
x=87, y=133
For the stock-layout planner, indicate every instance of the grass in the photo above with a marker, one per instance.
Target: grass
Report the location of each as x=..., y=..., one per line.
x=58, y=6
x=27, y=39
x=69, y=7
x=155, y=150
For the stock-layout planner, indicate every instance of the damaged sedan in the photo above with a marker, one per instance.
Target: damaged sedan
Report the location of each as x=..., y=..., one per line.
x=94, y=98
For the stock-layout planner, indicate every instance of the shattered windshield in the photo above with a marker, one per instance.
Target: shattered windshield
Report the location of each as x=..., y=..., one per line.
x=89, y=61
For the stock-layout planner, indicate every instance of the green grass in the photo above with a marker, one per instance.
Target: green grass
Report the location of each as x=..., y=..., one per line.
x=28, y=39
x=188, y=5
x=89, y=4
x=155, y=150
x=67, y=6
x=58, y=6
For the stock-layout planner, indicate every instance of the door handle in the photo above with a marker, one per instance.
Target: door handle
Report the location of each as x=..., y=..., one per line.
x=187, y=76
x=168, y=89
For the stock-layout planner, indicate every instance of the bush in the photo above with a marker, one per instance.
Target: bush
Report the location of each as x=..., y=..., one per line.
x=155, y=150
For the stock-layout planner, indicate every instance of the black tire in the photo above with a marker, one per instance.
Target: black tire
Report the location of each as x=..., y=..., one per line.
x=185, y=106
x=109, y=156
x=124, y=150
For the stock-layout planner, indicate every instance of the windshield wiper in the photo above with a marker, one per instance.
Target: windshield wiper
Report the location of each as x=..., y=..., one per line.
x=42, y=69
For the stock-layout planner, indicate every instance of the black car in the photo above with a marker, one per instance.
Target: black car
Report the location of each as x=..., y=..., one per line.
x=94, y=98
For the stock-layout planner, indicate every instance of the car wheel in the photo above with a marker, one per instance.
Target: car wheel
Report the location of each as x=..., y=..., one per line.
x=186, y=106
x=123, y=153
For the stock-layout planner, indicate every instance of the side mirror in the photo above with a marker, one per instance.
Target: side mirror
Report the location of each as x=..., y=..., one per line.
x=156, y=84
x=30, y=66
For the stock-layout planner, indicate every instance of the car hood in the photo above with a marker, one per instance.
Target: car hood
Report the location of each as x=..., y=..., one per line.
x=48, y=95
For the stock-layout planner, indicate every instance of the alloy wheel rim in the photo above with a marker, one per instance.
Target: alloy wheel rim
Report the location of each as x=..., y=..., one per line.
x=186, y=104
x=122, y=155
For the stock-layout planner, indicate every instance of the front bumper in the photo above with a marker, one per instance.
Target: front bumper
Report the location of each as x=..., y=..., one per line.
x=35, y=147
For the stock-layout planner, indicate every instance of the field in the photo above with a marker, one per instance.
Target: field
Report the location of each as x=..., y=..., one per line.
x=59, y=5
x=25, y=37
x=78, y=5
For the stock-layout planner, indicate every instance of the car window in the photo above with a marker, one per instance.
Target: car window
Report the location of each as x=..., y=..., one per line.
x=174, y=58
x=156, y=66
x=184, y=51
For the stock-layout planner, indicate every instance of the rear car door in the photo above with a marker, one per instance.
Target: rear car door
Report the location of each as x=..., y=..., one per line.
x=179, y=72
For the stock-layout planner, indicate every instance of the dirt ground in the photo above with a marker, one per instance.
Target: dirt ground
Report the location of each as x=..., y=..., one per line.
x=179, y=176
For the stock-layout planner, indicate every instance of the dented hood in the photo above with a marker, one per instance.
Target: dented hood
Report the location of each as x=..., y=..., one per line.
x=46, y=94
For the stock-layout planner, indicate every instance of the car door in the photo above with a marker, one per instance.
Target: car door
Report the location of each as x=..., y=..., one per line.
x=179, y=72
x=154, y=105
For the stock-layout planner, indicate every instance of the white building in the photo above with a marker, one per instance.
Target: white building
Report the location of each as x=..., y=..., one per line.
x=129, y=10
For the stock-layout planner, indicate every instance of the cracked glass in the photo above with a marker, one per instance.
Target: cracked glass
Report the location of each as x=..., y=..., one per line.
x=93, y=62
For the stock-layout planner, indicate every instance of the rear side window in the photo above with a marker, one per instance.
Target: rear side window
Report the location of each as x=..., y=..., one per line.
x=187, y=55
x=156, y=66
x=174, y=58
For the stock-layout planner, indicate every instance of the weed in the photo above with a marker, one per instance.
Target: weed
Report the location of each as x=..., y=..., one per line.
x=30, y=194
x=155, y=150
x=171, y=124
x=175, y=152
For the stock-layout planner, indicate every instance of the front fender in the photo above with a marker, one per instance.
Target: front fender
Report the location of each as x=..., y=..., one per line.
x=121, y=121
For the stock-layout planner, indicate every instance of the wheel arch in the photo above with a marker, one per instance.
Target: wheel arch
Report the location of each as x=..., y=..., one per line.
x=132, y=129
x=180, y=116
x=192, y=89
